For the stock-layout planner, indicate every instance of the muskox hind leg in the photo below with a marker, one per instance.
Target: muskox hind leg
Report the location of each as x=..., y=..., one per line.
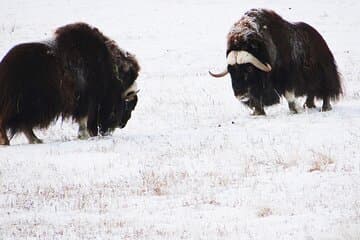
x=30, y=135
x=309, y=103
x=83, y=132
x=326, y=104
x=294, y=106
x=3, y=137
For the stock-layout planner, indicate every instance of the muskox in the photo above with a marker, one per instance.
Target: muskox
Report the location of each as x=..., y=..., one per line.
x=268, y=57
x=79, y=74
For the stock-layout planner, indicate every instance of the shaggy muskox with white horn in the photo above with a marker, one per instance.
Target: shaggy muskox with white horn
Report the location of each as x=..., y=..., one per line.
x=80, y=73
x=268, y=57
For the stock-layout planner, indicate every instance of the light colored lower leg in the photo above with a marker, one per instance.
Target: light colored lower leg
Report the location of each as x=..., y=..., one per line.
x=30, y=135
x=294, y=106
x=83, y=132
x=326, y=104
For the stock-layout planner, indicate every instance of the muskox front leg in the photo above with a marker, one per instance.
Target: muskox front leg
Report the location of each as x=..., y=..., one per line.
x=294, y=106
x=83, y=132
x=92, y=120
x=31, y=137
x=326, y=104
x=256, y=106
x=258, y=109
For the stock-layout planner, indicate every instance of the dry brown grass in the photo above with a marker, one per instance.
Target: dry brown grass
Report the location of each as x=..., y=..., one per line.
x=264, y=212
x=321, y=162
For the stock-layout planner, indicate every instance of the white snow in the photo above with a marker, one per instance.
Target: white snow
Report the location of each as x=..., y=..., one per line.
x=191, y=163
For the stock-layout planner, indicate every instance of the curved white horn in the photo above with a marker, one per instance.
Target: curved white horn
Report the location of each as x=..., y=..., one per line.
x=231, y=60
x=219, y=75
x=246, y=57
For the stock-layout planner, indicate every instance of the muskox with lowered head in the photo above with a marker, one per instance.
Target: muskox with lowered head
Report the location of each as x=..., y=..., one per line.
x=268, y=57
x=80, y=73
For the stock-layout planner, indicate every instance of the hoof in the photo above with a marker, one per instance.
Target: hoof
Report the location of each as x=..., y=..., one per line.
x=36, y=141
x=106, y=133
x=4, y=143
x=309, y=105
x=84, y=136
x=295, y=108
x=258, y=112
x=4, y=140
x=83, y=133
x=326, y=108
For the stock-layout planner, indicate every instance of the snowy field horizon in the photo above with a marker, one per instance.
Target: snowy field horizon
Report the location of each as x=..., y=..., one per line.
x=192, y=163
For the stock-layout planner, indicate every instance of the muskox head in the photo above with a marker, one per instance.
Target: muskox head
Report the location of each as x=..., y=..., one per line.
x=248, y=64
x=251, y=56
x=128, y=101
x=126, y=70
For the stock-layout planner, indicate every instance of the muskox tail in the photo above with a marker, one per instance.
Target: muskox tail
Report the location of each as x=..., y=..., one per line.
x=333, y=87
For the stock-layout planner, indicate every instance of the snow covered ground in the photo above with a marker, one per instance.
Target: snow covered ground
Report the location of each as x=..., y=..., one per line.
x=192, y=163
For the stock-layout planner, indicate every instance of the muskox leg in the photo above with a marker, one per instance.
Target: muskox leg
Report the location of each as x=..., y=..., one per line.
x=83, y=132
x=92, y=121
x=258, y=112
x=309, y=103
x=293, y=104
x=326, y=104
x=256, y=106
x=30, y=135
x=3, y=137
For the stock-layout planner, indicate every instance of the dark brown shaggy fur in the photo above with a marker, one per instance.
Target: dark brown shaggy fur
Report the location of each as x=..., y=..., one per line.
x=79, y=73
x=300, y=58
